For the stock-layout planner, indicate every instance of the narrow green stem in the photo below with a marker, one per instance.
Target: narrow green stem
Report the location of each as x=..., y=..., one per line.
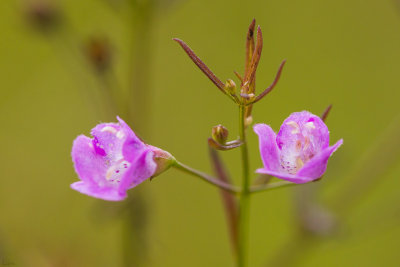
x=209, y=179
x=243, y=225
x=261, y=188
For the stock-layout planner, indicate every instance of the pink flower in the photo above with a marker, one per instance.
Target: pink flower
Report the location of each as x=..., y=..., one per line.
x=114, y=160
x=300, y=151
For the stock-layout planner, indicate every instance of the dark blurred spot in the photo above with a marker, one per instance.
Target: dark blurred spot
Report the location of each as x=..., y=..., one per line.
x=44, y=16
x=98, y=52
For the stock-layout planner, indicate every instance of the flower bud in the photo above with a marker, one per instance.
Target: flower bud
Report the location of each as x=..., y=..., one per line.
x=230, y=87
x=220, y=134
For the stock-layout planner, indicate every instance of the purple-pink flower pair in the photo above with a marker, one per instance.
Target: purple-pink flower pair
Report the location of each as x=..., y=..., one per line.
x=114, y=160
x=300, y=151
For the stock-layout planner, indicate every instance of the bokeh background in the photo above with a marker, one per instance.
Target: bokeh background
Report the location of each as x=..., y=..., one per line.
x=64, y=63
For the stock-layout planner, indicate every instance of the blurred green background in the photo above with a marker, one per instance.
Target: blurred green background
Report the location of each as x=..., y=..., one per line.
x=345, y=53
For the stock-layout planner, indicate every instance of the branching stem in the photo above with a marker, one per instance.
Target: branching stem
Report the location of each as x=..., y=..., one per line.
x=209, y=179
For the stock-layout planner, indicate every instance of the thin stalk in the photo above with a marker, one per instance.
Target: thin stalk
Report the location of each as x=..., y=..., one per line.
x=209, y=179
x=244, y=202
x=261, y=188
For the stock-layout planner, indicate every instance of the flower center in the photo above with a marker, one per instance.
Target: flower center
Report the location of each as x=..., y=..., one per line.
x=116, y=172
x=298, y=150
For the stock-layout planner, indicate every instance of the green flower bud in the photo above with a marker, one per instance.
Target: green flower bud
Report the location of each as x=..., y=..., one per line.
x=230, y=87
x=220, y=134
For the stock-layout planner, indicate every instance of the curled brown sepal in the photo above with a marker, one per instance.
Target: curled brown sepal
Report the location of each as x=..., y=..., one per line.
x=203, y=67
x=224, y=147
x=326, y=113
x=269, y=89
x=239, y=77
x=251, y=71
x=249, y=46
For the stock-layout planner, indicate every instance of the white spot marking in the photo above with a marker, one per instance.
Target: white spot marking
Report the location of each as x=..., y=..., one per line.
x=309, y=125
x=109, y=129
x=295, y=126
x=120, y=134
x=115, y=173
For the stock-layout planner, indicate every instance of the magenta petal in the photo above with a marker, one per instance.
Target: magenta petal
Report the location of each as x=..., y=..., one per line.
x=105, y=134
x=268, y=148
x=294, y=178
x=316, y=167
x=143, y=168
x=93, y=190
x=312, y=170
x=133, y=146
x=300, y=151
x=88, y=164
x=113, y=161
x=319, y=134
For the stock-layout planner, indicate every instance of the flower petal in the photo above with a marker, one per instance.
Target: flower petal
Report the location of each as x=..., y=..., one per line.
x=101, y=164
x=88, y=164
x=316, y=167
x=312, y=170
x=106, y=193
x=300, y=124
x=285, y=176
x=133, y=147
x=108, y=139
x=141, y=169
x=268, y=148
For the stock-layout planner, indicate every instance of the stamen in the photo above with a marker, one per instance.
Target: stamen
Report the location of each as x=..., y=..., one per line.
x=120, y=135
x=109, y=129
x=295, y=126
x=299, y=163
x=306, y=142
x=298, y=145
x=310, y=125
x=110, y=172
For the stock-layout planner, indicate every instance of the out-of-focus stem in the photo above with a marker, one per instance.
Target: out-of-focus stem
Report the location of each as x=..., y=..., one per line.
x=140, y=80
x=243, y=221
x=138, y=112
x=229, y=200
